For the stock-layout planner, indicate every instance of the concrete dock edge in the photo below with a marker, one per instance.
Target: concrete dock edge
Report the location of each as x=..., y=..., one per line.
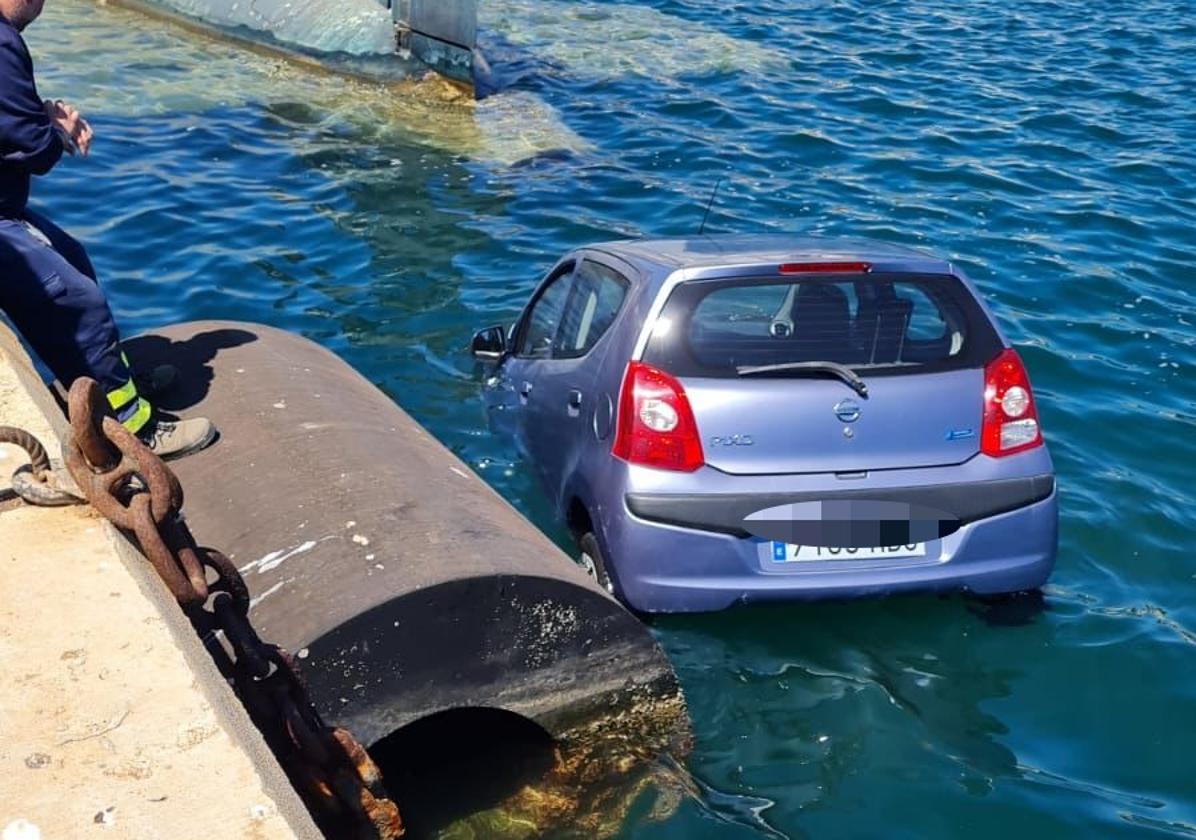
x=113, y=718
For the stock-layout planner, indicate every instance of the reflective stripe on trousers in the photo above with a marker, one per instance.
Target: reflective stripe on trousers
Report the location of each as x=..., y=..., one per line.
x=131, y=410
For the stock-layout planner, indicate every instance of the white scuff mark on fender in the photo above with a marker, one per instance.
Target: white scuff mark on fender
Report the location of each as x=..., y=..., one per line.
x=459, y=472
x=257, y=599
x=276, y=558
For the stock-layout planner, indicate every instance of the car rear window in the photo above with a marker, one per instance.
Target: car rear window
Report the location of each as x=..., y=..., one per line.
x=882, y=324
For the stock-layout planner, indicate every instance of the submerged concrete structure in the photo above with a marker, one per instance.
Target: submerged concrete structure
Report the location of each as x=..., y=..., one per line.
x=388, y=40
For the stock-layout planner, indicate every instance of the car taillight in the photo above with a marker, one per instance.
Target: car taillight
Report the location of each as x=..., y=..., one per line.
x=1010, y=418
x=655, y=426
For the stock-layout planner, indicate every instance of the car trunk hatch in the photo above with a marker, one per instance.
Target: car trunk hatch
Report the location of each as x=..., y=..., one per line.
x=817, y=423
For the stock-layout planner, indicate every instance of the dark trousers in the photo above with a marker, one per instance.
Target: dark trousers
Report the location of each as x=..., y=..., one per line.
x=49, y=292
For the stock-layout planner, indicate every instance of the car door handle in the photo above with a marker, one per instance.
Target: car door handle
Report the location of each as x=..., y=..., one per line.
x=575, y=399
x=525, y=390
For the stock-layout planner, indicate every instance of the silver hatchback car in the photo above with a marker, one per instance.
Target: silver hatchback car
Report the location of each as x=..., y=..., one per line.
x=723, y=420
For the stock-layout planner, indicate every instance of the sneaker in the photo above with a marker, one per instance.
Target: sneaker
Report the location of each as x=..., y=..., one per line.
x=169, y=439
x=158, y=381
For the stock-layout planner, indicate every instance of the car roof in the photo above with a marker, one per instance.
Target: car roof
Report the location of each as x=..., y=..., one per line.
x=716, y=251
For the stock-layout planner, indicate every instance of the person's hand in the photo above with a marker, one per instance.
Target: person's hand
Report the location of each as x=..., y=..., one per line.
x=75, y=131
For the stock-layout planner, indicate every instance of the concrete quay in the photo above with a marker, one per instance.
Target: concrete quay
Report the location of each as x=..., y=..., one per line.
x=113, y=719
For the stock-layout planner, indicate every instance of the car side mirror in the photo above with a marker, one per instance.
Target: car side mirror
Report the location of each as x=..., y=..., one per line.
x=489, y=345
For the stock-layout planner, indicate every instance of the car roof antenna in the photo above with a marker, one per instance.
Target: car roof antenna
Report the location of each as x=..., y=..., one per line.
x=709, y=204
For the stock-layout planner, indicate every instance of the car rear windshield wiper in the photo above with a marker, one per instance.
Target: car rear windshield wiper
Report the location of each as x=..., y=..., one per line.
x=842, y=371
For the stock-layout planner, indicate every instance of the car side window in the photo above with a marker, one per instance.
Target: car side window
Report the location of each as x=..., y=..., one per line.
x=540, y=326
x=597, y=296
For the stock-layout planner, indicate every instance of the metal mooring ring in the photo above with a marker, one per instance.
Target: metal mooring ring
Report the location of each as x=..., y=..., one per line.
x=44, y=490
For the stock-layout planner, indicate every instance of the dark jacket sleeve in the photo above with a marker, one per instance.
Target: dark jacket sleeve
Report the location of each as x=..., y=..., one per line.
x=28, y=140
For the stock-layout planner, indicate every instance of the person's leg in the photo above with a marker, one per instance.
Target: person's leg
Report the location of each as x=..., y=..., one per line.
x=63, y=243
x=65, y=318
x=149, y=383
x=53, y=299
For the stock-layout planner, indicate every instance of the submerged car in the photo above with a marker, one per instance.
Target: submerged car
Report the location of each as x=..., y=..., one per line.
x=723, y=420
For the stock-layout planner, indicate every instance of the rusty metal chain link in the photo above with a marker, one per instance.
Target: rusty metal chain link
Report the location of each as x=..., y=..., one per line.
x=38, y=482
x=131, y=487
x=38, y=459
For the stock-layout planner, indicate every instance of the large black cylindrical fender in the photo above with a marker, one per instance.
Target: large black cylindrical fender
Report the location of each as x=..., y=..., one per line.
x=405, y=584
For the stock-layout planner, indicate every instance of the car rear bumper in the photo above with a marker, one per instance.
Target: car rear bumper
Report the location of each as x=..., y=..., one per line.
x=724, y=513
x=669, y=567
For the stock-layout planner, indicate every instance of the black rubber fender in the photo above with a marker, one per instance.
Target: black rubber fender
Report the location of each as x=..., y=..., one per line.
x=403, y=582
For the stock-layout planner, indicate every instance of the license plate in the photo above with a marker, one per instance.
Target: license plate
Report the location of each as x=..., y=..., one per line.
x=788, y=553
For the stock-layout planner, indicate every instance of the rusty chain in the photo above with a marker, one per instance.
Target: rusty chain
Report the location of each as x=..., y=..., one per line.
x=39, y=461
x=131, y=487
x=38, y=482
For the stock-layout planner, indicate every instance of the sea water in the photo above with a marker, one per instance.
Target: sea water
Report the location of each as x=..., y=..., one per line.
x=1045, y=147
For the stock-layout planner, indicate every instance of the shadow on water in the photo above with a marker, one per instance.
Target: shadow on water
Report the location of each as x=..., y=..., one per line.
x=1014, y=610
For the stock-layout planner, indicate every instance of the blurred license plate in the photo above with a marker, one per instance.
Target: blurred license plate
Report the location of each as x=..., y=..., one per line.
x=788, y=553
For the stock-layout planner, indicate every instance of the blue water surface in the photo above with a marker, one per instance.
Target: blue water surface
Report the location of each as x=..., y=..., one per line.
x=1047, y=147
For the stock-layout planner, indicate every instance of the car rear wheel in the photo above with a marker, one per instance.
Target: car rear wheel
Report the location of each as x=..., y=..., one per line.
x=594, y=563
